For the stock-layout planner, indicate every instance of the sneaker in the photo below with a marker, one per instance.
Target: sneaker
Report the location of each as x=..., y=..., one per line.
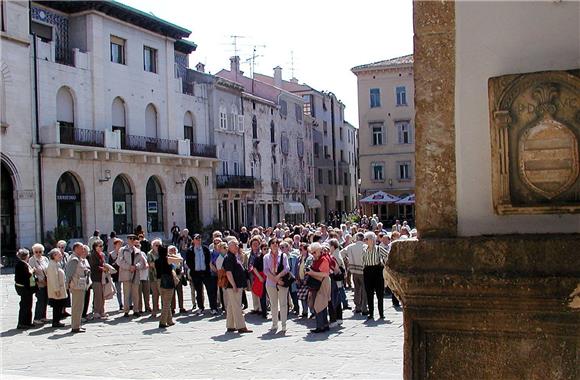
x=200, y=311
x=214, y=312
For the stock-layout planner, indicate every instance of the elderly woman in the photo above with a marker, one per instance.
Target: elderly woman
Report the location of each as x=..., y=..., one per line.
x=98, y=267
x=25, y=285
x=78, y=280
x=237, y=280
x=320, y=294
x=337, y=293
x=152, y=256
x=112, y=260
x=304, y=263
x=39, y=263
x=275, y=267
x=166, y=277
x=373, y=259
x=57, y=296
x=61, y=245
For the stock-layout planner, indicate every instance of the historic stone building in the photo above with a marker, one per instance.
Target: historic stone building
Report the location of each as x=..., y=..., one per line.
x=334, y=148
x=386, y=120
x=125, y=138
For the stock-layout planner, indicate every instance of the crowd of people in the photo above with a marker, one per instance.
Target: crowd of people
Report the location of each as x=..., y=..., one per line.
x=299, y=271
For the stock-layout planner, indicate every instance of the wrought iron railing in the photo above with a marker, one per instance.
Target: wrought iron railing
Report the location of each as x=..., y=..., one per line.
x=150, y=144
x=235, y=181
x=187, y=87
x=64, y=56
x=202, y=150
x=77, y=136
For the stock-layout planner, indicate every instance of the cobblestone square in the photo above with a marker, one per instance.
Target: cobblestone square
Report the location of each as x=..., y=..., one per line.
x=198, y=347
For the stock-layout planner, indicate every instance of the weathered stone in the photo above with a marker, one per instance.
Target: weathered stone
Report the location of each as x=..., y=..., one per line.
x=434, y=67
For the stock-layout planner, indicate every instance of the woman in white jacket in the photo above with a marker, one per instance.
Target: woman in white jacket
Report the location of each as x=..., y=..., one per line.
x=57, y=295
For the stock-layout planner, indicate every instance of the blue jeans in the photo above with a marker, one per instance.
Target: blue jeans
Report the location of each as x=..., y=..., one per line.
x=342, y=295
x=119, y=294
x=322, y=319
x=41, y=303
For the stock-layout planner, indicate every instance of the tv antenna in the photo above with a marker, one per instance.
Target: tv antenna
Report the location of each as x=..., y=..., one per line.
x=235, y=43
x=252, y=59
x=292, y=63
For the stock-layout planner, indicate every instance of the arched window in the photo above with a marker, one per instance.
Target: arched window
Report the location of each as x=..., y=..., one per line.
x=236, y=161
x=151, y=121
x=254, y=127
x=65, y=115
x=272, y=134
x=191, y=205
x=154, y=195
x=119, y=118
x=7, y=213
x=68, y=205
x=122, y=206
x=188, y=127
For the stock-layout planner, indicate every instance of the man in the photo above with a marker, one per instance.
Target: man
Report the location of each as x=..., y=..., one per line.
x=78, y=280
x=93, y=238
x=174, y=233
x=130, y=264
x=244, y=236
x=153, y=255
x=198, y=258
x=397, y=226
x=354, y=253
x=323, y=234
x=373, y=258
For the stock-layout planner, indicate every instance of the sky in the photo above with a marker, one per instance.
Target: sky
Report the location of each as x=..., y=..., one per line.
x=326, y=38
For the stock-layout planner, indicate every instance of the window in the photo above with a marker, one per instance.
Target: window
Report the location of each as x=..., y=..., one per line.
x=188, y=127
x=119, y=119
x=272, y=134
x=122, y=206
x=401, y=95
x=307, y=105
x=154, y=198
x=42, y=31
x=254, y=127
x=405, y=170
x=340, y=133
x=330, y=177
x=223, y=118
x=326, y=155
x=149, y=59
x=300, y=147
x=325, y=127
x=224, y=167
x=2, y=13
x=342, y=155
x=236, y=168
x=284, y=143
x=378, y=171
x=346, y=179
x=404, y=132
x=283, y=108
x=316, y=150
x=117, y=50
x=191, y=205
x=151, y=121
x=377, y=134
x=68, y=204
x=375, y=97
x=240, y=123
x=298, y=111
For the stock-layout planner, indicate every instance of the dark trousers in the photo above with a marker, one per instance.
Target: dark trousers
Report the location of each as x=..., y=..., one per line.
x=41, y=303
x=374, y=283
x=86, y=304
x=322, y=319
x=25, y=311
x=201, y=279
x=294, y=296
x=57, y=311
x=264, y=302
x=244, y=299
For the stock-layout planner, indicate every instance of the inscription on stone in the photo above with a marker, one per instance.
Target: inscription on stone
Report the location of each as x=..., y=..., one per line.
x=535, y=134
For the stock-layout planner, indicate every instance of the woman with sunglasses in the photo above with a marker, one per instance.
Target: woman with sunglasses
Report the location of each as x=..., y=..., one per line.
x=320, y=297
x=275, y=267
x=39, y=263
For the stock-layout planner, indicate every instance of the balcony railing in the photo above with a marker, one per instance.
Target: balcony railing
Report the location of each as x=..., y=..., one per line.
x=202, y=150
x=150, y=144
x=77, y=136
x=187, y=87
x=64, y=56
x=235, y=181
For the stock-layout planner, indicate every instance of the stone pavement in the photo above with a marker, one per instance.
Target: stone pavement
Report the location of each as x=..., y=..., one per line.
x=198, y=347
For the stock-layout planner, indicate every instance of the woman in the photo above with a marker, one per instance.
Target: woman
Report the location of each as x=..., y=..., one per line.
x=256, y=270
x=320, y=295
x=61, y=245
x=214, y=271
x=39, y=263
x=57, y=296
x=336, y=283
x=112, y=260
x=25, y=285
x=221, y=273
x=237, y=281
x=97, y=264
x=78, y=280
x=304, y=263
x=275, y=267
x=152, y=256
x=166, y=277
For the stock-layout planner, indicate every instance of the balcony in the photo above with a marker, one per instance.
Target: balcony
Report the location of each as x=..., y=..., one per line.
x=86, y=137
x=235, y=182
x=187, y=87
x=202, y=150
x=150, y=144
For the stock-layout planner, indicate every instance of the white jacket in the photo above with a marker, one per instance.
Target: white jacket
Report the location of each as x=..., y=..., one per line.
x=354, y=253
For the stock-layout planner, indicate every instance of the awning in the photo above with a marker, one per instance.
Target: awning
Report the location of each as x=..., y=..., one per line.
x=293, y=208
x=313, y=203
x=380, y=197
x=408, y=200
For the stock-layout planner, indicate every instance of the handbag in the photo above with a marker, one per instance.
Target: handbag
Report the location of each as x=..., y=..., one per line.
x=176, y=280
x=313, y=283
x=109, y=289
x=222, y=278
x=288, y=278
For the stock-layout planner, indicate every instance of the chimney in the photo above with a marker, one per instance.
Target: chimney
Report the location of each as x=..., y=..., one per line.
x=200, y=67
x=235, y=64
x=278, y=76
x=294, y=80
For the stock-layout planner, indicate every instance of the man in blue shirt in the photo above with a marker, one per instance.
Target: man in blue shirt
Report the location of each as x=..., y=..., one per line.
x=198, y=259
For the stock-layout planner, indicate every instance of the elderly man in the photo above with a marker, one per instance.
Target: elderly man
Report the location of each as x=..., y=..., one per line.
x=198, y=258
x=78, y=281
x=130, y=263
x=373, y=259
x=353, y=253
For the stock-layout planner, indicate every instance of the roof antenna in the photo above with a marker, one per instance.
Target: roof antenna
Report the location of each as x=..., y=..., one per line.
x=235, y=43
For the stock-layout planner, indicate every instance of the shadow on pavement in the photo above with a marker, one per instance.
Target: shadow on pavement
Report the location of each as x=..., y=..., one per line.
x=311, y=337
x=60, y=336
x=11, y=332
x=372, y=322
x=154, y=331
x=46, y=330
x=273, y=335
x=226, y=336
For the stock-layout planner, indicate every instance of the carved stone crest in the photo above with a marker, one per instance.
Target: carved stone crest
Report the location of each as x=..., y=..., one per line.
x=535, y=134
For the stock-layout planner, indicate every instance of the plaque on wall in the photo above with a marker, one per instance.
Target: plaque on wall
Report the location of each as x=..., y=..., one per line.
x=535, y=137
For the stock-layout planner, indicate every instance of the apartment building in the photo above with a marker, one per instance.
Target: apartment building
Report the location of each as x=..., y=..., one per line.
x=386, y=122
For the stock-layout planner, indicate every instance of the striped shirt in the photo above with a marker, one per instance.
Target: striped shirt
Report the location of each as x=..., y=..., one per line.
x=374, y=256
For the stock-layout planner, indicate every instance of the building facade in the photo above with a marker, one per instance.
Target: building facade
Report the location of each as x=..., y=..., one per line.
x=386, y=122
x=334, y=146
x=125, y=138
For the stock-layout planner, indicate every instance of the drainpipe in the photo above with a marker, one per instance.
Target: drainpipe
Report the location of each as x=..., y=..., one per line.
x=36, y=144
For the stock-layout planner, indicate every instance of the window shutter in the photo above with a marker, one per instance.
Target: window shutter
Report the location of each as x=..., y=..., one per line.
x=240, y=123
x=400, y=132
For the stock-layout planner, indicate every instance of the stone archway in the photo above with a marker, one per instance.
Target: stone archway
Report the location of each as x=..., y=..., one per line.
x=8, y=212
